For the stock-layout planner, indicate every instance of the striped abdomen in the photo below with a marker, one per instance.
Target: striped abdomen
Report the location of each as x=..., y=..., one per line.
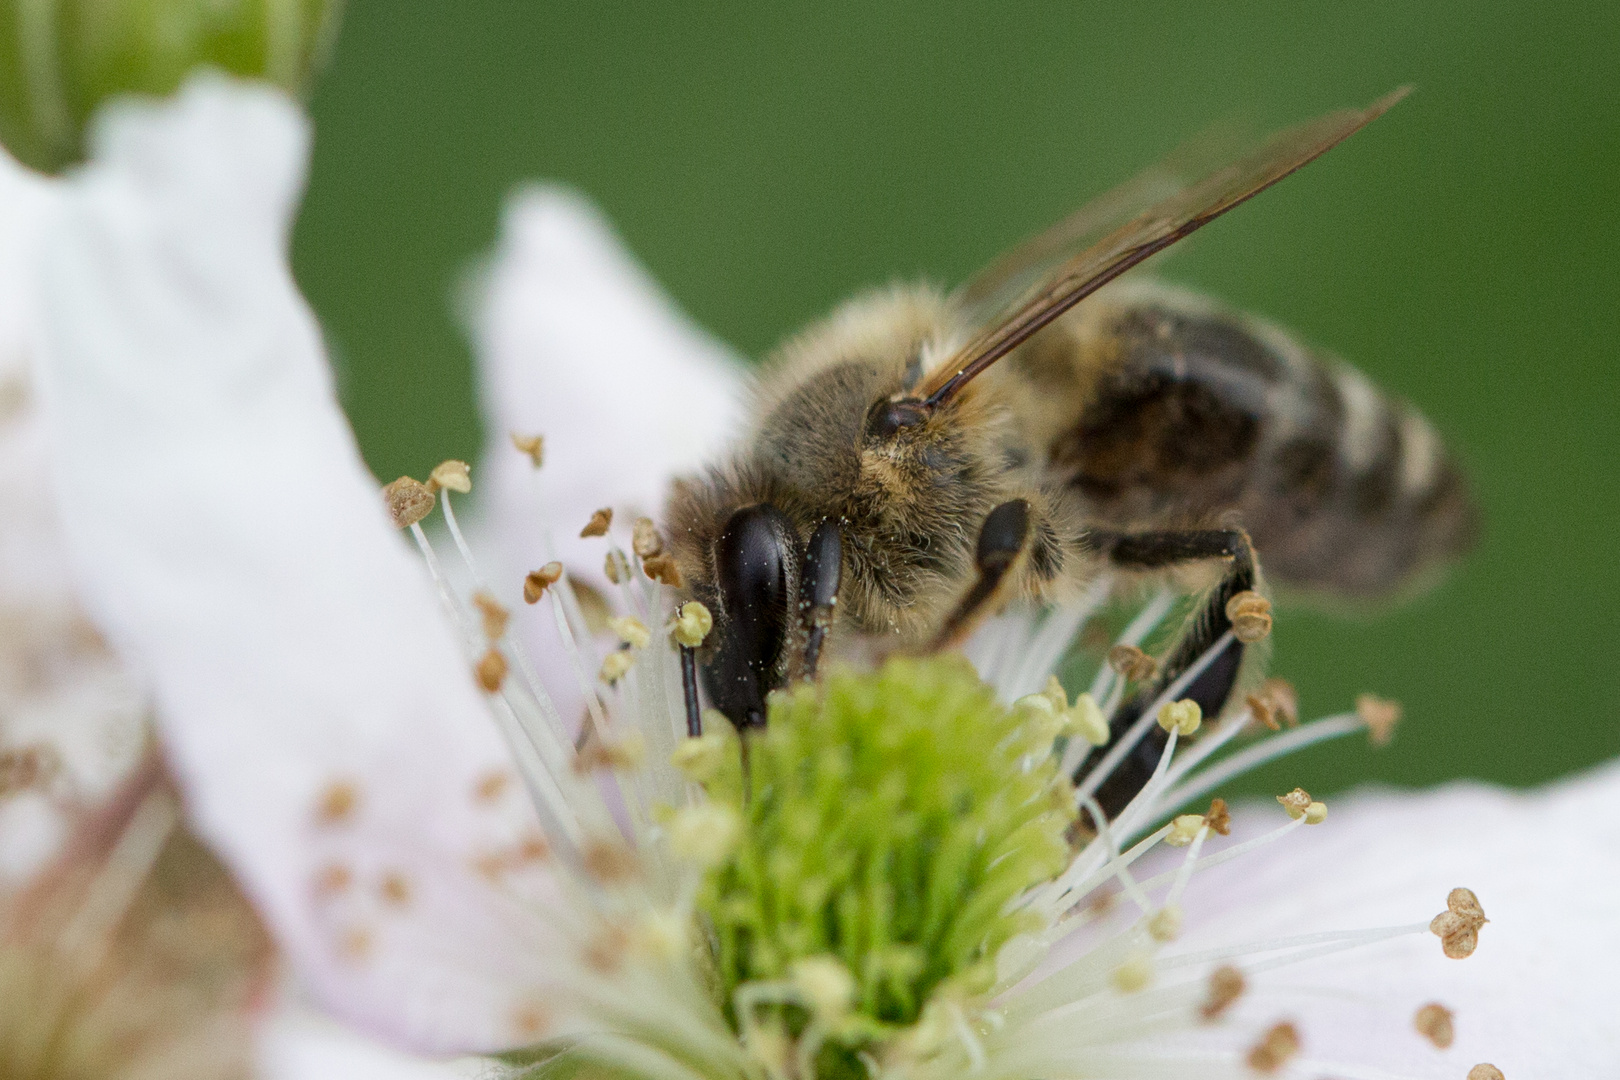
x=1194, y=414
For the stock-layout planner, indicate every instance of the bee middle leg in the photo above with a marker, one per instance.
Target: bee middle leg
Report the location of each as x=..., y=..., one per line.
x=1003, y=542
x=1214, y=685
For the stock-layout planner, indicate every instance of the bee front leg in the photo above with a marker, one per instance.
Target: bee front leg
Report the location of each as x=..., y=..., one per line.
x=1211, y=630
x=1003, y=543
x=818, y=591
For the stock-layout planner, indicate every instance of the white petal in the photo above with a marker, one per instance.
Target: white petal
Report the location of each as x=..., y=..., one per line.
x=232, y=545
x=1538, y=997
x=576, y=342
x=299, y=1046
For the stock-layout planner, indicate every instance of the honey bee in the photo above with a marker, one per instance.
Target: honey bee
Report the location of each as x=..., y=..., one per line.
x=920, y=459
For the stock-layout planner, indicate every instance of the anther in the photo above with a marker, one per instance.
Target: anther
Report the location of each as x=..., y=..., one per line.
x=1086, y=720
x=395, y=889
x=644, y=539
x=1274, y=701
x=616, y=567
x=615, y=666
x=826, y=985
x=662, y=569
x=538, y=581
x=494, y=616
x=1225, y=987
x=1296, y=802
x=604, y=953
x=705, y=833
x=1134, y=974
x=451, y=475
x=624, y=755
x=630, y=630
x=1433, y=1022
x=598, y=525
x=1250, y=614
x=1274, y=1049
x=1458, y=926
x=28, y=768
x=1316, y=813
x=409, y=501
x=491, y=786
x=1183, y=717
x=700, y=759
x=1184, y=829
x=692, y=624
x=1218, y=817
x=1132, y=663
x=1485, y=1071
x=491, y=670
x=338, y=803
x=1380, y=715
x=532, y=445
x=608, y=862
x=332, y=880
x=531, y=1019
x=1165, y=923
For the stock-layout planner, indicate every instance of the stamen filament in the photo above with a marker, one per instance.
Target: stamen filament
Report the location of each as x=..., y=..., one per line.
x=1331, y=727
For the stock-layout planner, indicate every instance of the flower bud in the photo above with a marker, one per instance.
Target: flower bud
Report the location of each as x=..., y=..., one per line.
x=61, y=59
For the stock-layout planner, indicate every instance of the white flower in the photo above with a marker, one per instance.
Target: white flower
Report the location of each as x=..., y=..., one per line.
x=325, y=720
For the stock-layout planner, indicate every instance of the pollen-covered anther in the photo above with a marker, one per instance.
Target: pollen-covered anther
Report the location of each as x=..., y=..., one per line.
x=1485, y=1071
x=644, y=539
x=1316, y=812
x=1380, y=715
x=615, y=666
x=489, y=787
x=615, y=567
x=826, y=985
x=700, y=759
x=692, y=624
x=538, y=581
x=395, y=889
x=491, y=670
x=1275, y=701
x=1134, y=974
x=337, y=803
x=408, y=501
x=705, y=833
x=599, y=523
x=1458, y=926
x=1433, y=1022
x=1183, y=717
x=662, y=569
x=451, y=475
x=1250, y=614
x=1184, y=829
x=1296, y=802
x=1086, y=720
x=1218, y=817
x=494, y=616
x=609, y=862
x=630, y=630
x=1132, y=663
x=1165, y=923
x=1225, y=987
x=532, y=445
x=1275, y=1048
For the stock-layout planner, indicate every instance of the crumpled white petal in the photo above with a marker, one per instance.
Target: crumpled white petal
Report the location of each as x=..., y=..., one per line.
x=59, y=688
x=322, y=722
x=1537, y=998
x=577, y=343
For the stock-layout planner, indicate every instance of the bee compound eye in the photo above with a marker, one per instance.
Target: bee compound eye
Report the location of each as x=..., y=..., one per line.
x=752, y=560
x=888, y=417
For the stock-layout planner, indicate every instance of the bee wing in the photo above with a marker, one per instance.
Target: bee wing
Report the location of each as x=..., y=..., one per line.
x=1116, y=232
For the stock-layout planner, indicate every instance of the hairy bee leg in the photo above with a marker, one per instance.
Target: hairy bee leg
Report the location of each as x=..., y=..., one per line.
x=1215, y=684
x=689, y=691
x=818, y=590
x=1003, y=539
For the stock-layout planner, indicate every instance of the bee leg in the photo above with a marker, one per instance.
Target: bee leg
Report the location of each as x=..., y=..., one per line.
x=1003, y=540
x=818, y=590
x=1214, y=684
x=689, y=691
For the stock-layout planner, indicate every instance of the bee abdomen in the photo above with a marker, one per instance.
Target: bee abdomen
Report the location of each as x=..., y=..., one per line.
x=1197, y=414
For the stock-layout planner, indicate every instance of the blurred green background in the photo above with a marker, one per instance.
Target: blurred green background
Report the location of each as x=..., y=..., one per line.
x=765, y=161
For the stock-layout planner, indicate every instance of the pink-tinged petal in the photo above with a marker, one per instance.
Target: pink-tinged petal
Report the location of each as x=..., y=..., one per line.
x=63, y=698
x=325, y=727
x=576, y=342
x=1539, y=995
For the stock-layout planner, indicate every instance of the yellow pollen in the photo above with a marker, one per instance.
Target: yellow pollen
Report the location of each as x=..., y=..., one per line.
x=1458, y=926
x=338, y=803
x=598, y=525
x=1132, y=663
x=1274, y=1049
x=1134, y=974
x=700, y=759
x=451, y=475
x=1184, y=829
x=1433, y=1022
x=1484, y=1071
x=408, y=501
x=1165, y=923
x=616, y=567
x=662, y=569
x=532, y=445
x=615, y=666
x=827, y=986
x=1225, y=987
x=1087, y=721
x=630, y=630
x=1183, y=717
x=1316, y=813
x=644, y=539
x=1380, y=715
x=1250, y=614
x=1296, y=802
x=692, y=624
x=491, y=670
x=493, y=614
x=538, y=581
x=1218, y=817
